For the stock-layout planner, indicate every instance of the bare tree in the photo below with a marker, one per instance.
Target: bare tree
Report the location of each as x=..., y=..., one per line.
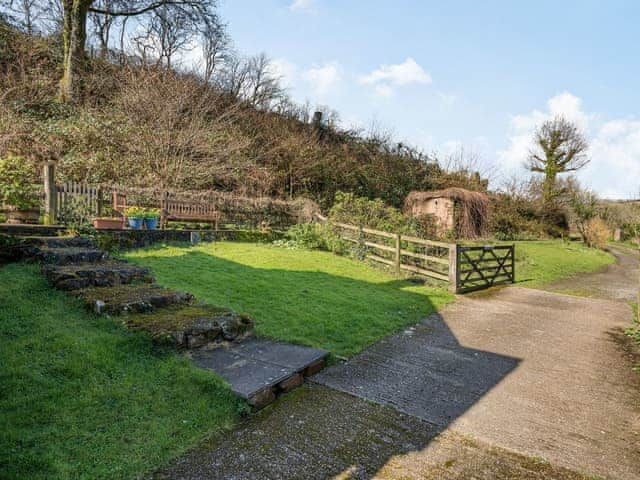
x=215, y=48
x=559, y=147
x=26, y=14
x=74, y=29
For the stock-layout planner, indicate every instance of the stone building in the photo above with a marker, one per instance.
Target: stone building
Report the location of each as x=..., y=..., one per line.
x=462, y=212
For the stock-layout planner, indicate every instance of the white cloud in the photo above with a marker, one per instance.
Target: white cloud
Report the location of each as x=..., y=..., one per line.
x=400, y=74
x=284, y=70
x=301, y=5
x=614, y=170
x=324, y=77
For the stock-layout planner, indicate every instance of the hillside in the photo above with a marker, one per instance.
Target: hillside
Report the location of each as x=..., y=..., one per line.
x=152, y=126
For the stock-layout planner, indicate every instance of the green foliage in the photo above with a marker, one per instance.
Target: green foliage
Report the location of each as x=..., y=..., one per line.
x=363, y=212
x=314, y=236
x=135, y=212
x=18, y=186
x=151, y=213
x=308, y=297
x=76, y=215
x=82, y=397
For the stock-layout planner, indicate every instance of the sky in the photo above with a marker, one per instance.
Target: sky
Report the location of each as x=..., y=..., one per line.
x=445, y=75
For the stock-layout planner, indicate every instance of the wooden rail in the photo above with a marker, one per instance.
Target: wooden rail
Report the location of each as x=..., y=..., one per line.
x=465, y=268
x=401, y=252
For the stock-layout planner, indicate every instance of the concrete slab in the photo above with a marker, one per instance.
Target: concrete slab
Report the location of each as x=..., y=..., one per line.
x=542, y=374
x=257, y=364
x=287, y=355
x=247, y=376
x=320, y=433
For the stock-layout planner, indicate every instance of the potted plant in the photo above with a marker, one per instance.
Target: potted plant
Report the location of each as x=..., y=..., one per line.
x=18, y=191
x=135, y=217
x=108, y=222
x=151, y=218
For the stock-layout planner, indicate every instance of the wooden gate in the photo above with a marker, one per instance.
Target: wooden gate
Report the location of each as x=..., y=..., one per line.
x=484, y=266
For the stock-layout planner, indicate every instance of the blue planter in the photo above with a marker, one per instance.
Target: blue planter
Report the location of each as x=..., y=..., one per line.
x=135, y=223
x=151, y=223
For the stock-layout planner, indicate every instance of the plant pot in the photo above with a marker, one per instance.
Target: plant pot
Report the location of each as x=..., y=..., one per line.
x=16, y=215
x=151, y=223
x=107, y=223
x=135, y=223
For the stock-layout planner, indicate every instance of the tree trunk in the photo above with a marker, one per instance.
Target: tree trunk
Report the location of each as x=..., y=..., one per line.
x=74, y=36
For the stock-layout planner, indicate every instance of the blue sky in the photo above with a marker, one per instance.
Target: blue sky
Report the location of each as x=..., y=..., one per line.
x=475, y=74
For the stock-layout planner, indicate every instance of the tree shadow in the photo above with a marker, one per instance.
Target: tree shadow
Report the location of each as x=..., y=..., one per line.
x=315, y=308
x=393, y=398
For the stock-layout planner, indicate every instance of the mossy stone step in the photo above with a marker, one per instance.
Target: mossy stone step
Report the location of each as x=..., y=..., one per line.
x=192, y=325
x=102, y=274
x=259, y=369
x=130, y=298
x=58, y=242
x=68, y=255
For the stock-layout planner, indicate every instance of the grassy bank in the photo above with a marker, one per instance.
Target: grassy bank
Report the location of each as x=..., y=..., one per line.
x=309, y=297
x=538, y=263
x=81, y=397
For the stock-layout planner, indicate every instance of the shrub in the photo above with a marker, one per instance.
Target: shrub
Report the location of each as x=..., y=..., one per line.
x=18, y=183
x=314, y=236
x=76, y=215
x=364, y=212
x=596, y=233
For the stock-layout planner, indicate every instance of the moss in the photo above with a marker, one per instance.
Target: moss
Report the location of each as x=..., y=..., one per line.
x=173, y=319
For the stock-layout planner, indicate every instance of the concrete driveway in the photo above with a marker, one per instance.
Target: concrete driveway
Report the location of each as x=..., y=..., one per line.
x=535, y=372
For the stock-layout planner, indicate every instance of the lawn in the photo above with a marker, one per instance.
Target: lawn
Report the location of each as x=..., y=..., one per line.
x=80, y=397
x=308, y=297
x=541, y=262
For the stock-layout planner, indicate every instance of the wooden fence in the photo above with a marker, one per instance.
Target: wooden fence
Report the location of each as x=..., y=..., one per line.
x=221, y=209
x=465, y=268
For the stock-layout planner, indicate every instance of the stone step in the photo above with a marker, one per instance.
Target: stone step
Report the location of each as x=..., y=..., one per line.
x=57, y=242
x=193, y=325
x=103, y=274
x=259, y=369
x=130, y=298
x=67, y=255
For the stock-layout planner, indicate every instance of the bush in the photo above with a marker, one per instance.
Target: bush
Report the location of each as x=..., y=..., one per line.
x=597, y=233
x=364, y=212
x=18, y=186
x=314, y=236
x=76, y=216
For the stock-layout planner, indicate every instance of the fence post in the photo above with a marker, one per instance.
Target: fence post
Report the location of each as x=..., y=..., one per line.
x=453, y=268
x=398, y=258
x=50, y=213
x=99, y=202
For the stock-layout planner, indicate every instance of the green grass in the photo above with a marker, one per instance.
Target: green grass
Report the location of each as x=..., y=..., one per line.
x=81, y=397
x=308, y=297
x=538, y=263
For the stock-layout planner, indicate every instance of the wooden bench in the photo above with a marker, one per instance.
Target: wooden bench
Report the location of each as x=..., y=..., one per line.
x=175, y=210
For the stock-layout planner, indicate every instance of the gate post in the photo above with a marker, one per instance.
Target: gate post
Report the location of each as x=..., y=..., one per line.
x=453, y=268
x=50, y=213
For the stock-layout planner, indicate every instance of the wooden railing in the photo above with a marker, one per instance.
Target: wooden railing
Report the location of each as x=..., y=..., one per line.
x=401, y=252
x=464, y=268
